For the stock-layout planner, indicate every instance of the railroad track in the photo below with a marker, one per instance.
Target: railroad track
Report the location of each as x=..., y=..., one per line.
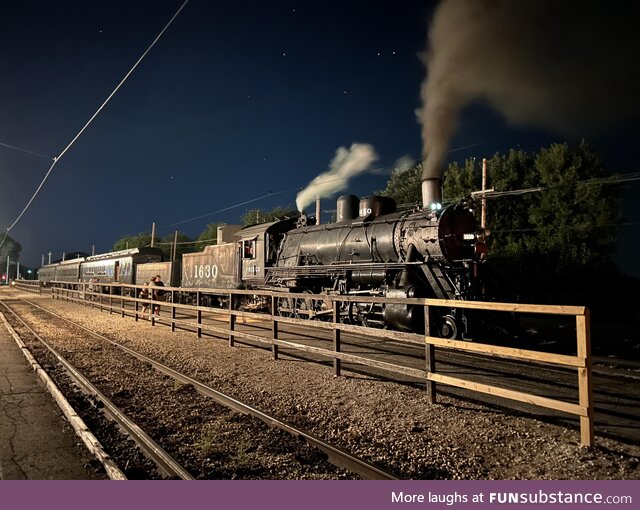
x=165, y=462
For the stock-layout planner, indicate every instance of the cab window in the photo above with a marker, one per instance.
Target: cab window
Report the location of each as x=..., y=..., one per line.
x=249, y=249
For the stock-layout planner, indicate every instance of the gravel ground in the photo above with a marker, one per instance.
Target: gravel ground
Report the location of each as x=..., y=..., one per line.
x=387, y=423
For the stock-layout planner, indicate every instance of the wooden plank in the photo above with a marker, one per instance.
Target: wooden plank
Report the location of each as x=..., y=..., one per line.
x=507, y=352
x=583, y=340
x=337, y=344
x=430, y=358
x=356, y=330
x=274, y=335
x=413, y=372
x=585, y=391
x=254, y=338
x=549, y=403
x=508, y=307
x=585, y=396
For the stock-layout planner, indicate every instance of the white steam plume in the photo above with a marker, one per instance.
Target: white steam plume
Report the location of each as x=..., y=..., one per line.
x=346, y=164
x=567, y=65
x=404, y=164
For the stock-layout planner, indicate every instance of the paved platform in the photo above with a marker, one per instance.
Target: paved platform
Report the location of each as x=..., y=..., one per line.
x=36, y=442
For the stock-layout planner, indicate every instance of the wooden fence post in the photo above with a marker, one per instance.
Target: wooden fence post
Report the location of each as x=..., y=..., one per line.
x=274, y=327
x=337, y=365
x=585, y=392
x=430, y=357
x=198, y=315
x=173, y=311
x=136, y=307
x=232, y=320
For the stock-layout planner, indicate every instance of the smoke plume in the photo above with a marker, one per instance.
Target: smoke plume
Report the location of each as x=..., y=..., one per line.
x=346, y=164
x=567, y=65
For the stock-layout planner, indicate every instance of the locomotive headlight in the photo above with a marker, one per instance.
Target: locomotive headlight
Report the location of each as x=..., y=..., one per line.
x=435, y=206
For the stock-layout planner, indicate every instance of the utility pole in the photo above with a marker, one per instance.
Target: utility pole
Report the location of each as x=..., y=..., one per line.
x=7, y=269
x=483, y=195
x=153, y=233
x=483, y=214
x=49, y=257
x=42, y=264
x=93, y=250
x=317, y=210
x=18, y=270
x=63, y=256
x=175, y=247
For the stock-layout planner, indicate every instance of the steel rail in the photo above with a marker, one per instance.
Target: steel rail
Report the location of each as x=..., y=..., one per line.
x=336, y=455
x=167, y=465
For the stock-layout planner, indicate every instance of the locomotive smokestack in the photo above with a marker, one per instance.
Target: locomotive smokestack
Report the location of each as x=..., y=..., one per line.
x=432, y=193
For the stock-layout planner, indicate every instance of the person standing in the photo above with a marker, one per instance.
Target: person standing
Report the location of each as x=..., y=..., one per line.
x=91, y=287
x=158, y=294
x=144, y=294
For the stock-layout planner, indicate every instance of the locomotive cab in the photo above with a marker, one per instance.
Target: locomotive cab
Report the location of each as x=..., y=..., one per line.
x=257, y=249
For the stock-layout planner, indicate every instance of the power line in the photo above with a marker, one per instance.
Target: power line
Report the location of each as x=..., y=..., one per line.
x=270, y=194
x=571, y=227
x=598, y=180
x=25, y=150
x=59, y=156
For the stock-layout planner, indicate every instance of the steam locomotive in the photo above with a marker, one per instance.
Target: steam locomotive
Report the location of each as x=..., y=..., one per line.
x=371, y=250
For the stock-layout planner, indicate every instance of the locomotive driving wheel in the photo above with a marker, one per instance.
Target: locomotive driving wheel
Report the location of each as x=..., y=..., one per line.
x=448, y=327
x=285, y=307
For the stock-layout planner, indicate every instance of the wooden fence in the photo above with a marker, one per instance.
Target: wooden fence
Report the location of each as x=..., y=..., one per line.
x=117, y=300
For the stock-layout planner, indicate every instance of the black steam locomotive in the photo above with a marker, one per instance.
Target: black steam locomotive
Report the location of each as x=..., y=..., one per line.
x=374, y=250
x=371, y=250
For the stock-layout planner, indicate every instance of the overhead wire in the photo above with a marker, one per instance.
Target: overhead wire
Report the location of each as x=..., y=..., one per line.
x=27, y=151
x=271, y=194
x=63, y=152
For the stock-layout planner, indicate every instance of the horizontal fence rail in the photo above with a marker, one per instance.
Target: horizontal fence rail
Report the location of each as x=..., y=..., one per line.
x=224, y=319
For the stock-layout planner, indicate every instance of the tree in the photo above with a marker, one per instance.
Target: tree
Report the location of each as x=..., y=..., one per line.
x=184, y=245
x=405, y=187
x=459, y=182
x=549, y=241
x=208, y=236
x=10, y=248
x=256, y=216
x=138, y=241
x=576, y=212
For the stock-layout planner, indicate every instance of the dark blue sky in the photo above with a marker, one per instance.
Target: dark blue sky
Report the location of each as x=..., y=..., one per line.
x=237, y=99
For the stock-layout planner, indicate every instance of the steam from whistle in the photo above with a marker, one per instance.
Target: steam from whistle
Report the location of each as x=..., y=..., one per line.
x=346, y=164
x=568, y=65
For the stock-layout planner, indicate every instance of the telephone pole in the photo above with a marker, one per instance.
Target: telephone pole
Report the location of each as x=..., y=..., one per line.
x=483, y=214
x=483, y=195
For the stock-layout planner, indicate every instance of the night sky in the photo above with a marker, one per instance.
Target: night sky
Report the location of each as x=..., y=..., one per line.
x=237, y=100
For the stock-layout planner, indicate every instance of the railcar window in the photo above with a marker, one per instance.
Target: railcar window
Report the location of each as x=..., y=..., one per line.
x=249, y=249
